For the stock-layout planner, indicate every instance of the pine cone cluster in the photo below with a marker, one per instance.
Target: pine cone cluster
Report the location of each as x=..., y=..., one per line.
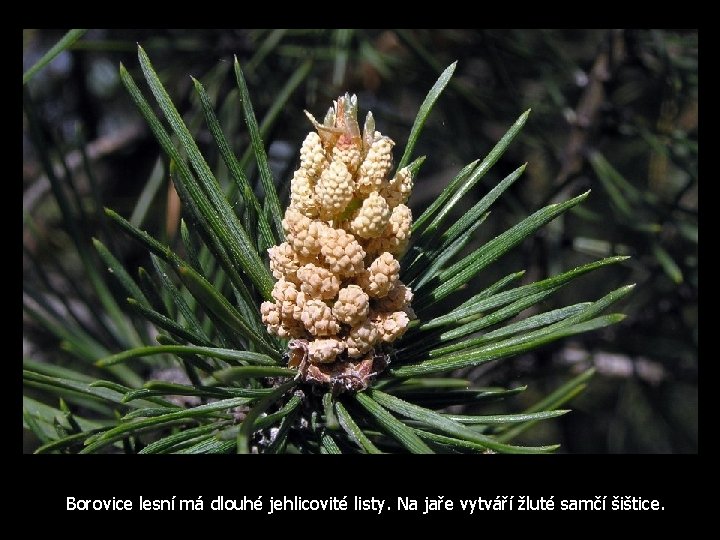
x=338, y=294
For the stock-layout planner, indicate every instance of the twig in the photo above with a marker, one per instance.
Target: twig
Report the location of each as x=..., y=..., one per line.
x=583, y=118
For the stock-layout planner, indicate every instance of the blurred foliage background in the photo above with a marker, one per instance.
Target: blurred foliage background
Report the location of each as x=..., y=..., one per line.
x=612, y=110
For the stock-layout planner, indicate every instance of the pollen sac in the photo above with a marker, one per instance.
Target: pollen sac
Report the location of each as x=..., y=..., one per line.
x=361, y=339
x=381, y=276
x=338, y=297
x=285, y=295
x=272, y=317
x=398, y=299
x=303, y=233
x=312, y=156
x=324, y=350
x=372, y=174
x=348, y=153
x=334, y=190
x=352, y=305
x=390, y=325
x=282, y=261
x=318, y=282
x=341, y=252
x=285, y=262
x=290, y=302
x=318, y=319
x=398, y=190
x=400, y=223
x=372, y=217
x=396, y=236
x=302, y=194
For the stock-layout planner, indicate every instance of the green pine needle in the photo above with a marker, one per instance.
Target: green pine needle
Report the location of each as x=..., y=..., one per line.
x=64, y=43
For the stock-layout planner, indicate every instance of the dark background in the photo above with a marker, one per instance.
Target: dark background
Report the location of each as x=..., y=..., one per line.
x=615, y=111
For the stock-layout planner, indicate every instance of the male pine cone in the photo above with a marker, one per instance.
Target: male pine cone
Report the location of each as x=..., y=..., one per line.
x=338, y=293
